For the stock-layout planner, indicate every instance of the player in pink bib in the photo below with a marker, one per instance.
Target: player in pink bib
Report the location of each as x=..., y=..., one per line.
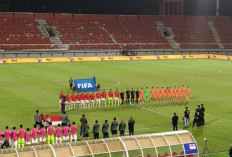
x=50, y=132
x=58, y=134
x=65, y=133
x=14, y=136
x=28, y=137
x=42, y=132
x=7, y=134
x=73, y=132
x=34, y=133
x=21, y=135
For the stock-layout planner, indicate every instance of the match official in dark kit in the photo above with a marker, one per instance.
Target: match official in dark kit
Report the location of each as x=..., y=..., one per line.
x=63, y=99
x=175, y=119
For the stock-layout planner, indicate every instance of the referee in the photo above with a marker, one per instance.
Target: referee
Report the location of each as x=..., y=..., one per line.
x=70, y=83
x=127, y=96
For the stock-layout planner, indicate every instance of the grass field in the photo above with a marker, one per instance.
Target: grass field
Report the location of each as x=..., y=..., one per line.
x=27, y=87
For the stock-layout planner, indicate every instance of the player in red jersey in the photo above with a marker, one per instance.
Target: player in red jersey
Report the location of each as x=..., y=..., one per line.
x=78, y=99
x=73, y=98
x=92, y=97
x=82, y=99
x=67, y=103
x=116, y=95
x=183, y=93
x=87, y=98
x=188, y=92
x=60, y=96
x=103, y=95
x=157, y=94
x=110, y=97
x=98, y=98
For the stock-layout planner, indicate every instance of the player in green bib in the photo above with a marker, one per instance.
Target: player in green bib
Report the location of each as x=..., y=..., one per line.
x=147, y=93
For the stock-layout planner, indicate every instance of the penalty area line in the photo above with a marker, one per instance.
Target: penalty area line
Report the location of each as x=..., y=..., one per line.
x=151, y=110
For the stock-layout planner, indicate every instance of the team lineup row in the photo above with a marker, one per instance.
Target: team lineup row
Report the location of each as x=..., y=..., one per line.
x=132, y=96
x=64, y=133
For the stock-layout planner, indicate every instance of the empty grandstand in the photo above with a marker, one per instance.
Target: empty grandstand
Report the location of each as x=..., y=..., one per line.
x=28, y=31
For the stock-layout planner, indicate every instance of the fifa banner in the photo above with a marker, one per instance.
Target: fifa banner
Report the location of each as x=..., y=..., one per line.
x=190, y=148
x=83, y=85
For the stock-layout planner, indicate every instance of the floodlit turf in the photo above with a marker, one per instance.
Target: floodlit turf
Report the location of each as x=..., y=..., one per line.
x=27, y=87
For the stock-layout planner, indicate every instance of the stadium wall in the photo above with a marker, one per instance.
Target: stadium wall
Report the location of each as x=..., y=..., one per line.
x=113, y=58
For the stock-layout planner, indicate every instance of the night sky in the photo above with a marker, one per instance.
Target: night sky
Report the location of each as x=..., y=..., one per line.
x=137, y=7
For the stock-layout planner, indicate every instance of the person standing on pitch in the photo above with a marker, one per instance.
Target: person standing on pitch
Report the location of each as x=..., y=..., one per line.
x=175, y=119
x=196, y=118
x=73, y=129
x=116, y=97
x=60, y=97
x=200, y=115
x=103, y=95
x=152, y=94
x=137, y=95
x=70, y=83
x=114, y=126
x=203, y=114
x=64, y=119
x=50, y=133
x=147, y=93
x=58, y=134
x=86, y=131
x=34, y=135
x=105, y=128
x=21, y=136
x=230, y=151
x=82, y=120
x=67, y=103
x=122, y=97
x=96, y=127
x=37, y=118
x=73, y=101
x=127, y=96
x=82, y=96
x=132, y=96
x=63, y=100
x=131, y=125
x=14, y=139
x=87, y=98
x=98, y=99
x=92, y=98
x=110, y=97
x=141, y=95
x=122, y=127
x=186, y=116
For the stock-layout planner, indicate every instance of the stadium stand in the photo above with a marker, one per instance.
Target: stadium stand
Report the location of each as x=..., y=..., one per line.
x=20, y=31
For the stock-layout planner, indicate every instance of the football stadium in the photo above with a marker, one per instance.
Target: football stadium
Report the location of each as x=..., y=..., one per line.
x=101, y=78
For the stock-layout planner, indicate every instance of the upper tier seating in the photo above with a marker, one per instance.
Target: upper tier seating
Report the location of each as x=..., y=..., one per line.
x=100, y=32
x=21, y=31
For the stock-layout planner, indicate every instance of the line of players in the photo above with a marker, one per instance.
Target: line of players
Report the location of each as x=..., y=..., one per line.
x=132, y=96
x=40, y=136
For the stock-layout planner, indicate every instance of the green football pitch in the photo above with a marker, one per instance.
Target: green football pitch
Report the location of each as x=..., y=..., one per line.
x=27, y=87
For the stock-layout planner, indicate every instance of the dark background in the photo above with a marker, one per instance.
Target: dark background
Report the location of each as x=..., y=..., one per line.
x=138, y=7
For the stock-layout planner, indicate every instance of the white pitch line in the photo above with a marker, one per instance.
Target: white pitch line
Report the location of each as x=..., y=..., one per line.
x=151, y=110
x=118, y=83
x=170, y=126
x=36, y=76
